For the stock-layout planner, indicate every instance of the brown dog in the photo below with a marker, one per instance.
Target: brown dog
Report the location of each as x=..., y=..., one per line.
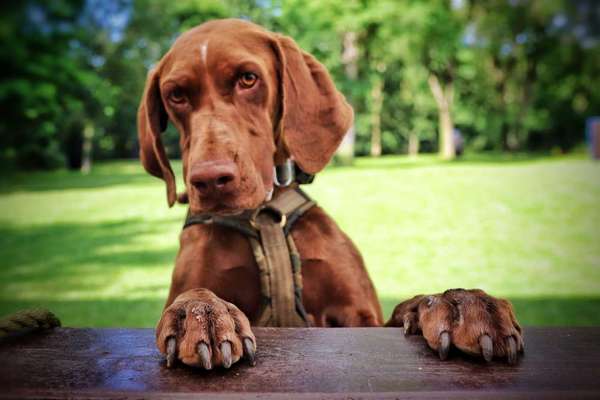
x=244, y=100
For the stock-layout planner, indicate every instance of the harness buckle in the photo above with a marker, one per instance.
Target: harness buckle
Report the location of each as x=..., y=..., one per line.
x=274, y=212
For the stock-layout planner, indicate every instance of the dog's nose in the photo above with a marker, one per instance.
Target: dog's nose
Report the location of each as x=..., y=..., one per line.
x=214, y=176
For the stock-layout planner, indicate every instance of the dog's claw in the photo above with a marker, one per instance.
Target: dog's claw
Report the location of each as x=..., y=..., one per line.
x=406, y=326
x=444, y=345
x=171, y=351
x=204, y=354
x=487, y=347
x=226, y=354
x=249, y=351
x=511, y=350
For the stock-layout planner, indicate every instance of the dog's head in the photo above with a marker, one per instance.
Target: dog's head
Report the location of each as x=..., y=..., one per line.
x=243, y=100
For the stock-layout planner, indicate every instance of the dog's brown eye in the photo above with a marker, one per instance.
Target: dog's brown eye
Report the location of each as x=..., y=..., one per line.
x=247, y=80
x=177, y=95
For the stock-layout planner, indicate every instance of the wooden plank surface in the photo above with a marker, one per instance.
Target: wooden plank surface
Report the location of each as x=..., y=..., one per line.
x=311, y=363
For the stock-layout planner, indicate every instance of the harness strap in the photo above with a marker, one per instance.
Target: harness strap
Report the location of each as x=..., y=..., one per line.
x=240, y=223
x=289, y=201
x=282, y=308
x=267, y=229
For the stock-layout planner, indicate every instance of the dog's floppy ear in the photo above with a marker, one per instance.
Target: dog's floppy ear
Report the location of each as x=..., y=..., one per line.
x=314, y=115
x=152, y=121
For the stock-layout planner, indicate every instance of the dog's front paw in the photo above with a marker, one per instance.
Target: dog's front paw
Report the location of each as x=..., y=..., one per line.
x=202, y=330
x=471, y=320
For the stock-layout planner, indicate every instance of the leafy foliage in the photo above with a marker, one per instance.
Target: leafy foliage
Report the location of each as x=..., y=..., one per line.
x=516, y=75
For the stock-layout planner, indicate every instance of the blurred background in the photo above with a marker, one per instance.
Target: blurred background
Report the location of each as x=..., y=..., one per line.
x=468, y=164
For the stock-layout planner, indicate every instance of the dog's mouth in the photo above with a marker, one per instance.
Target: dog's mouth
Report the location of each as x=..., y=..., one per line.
x=222, y=207
x=224, y=211
x=230, y=205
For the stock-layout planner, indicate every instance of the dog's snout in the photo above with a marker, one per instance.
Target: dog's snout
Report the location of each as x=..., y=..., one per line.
x=214, y=176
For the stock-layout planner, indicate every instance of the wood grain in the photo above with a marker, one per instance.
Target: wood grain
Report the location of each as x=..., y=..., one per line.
x=310, y=363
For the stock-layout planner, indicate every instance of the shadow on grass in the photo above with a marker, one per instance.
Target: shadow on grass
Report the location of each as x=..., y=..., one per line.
x=104, y=174
x=79, y=258
x=64, y=180
x=541, y=311
x=117, y=313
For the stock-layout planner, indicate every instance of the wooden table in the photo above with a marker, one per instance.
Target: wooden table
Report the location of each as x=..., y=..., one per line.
x=310, y=363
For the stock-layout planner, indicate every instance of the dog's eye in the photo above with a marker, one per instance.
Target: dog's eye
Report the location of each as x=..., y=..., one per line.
x=247, y=80
x=177, y=96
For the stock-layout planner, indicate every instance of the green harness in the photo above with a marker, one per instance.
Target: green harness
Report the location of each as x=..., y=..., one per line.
x=268, y=230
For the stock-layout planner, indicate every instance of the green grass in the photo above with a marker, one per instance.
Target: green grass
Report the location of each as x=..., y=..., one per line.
x=98, y=249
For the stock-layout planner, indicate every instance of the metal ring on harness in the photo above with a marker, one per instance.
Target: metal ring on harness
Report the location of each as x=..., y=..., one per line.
x=282, y=217
x=284, y=175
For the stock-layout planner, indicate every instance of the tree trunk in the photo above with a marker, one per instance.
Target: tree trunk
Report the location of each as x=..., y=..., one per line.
x=345, y=153
x=413, y=145
x=86, y=147
x=443, y=98
x=447, y=150
x=512, y=140
x=376, y=106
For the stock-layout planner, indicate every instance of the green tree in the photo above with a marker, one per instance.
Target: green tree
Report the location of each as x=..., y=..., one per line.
x=533, y=70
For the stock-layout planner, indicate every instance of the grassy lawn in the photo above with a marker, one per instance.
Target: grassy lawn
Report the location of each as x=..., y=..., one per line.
x=98, y=249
